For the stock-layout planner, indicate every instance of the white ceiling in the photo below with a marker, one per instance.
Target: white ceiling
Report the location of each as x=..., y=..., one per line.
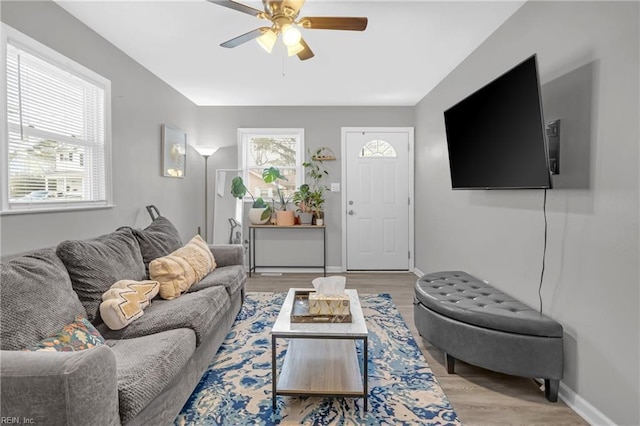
x=407, y=49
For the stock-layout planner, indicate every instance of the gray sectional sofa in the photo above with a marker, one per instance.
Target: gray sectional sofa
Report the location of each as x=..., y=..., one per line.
x=146, y=371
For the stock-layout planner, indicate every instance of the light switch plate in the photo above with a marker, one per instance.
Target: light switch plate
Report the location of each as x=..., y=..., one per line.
x=335, y=187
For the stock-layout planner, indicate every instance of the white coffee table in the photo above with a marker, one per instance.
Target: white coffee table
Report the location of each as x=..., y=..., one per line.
x=321, y=358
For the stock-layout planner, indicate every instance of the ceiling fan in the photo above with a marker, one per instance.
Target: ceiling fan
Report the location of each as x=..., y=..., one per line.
x=283, y=15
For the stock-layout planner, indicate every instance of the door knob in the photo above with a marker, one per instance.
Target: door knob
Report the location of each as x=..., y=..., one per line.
x=351, y=212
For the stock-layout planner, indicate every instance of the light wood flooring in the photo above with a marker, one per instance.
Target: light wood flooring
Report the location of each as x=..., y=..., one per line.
x=479, y=396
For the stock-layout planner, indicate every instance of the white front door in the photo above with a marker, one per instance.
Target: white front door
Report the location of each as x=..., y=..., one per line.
x=377, y=201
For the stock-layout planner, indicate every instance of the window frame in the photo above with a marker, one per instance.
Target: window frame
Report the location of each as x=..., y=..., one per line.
x=244, y=134
x=393, y=151
x=45, y=53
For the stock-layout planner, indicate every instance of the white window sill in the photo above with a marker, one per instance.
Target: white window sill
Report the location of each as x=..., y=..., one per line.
x=55, y=209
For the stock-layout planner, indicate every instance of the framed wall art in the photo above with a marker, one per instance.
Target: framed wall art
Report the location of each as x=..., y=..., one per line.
x=174, y=152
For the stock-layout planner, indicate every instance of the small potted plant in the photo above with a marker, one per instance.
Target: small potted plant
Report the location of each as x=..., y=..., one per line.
x=260, y=211
x=315, y=171
x=284, y=217
x=317, y=202
x=302, y=199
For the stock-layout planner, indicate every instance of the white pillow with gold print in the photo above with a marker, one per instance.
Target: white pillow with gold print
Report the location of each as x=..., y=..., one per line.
x=125, y=300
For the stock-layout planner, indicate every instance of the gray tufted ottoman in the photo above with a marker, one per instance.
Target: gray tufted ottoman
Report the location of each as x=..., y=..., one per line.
x=474, y=322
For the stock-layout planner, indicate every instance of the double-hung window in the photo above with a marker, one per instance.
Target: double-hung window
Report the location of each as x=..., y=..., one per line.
x=260, y=149
x=56, y=144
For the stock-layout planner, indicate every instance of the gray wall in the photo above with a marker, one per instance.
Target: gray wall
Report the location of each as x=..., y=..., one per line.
x=141, y=102
x=322, y=127
x=588, y=60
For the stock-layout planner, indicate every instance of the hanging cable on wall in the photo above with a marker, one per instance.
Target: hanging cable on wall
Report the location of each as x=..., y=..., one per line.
x=544, y=250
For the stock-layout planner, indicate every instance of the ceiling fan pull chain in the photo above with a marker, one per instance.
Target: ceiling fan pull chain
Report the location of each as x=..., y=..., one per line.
x=284, y=74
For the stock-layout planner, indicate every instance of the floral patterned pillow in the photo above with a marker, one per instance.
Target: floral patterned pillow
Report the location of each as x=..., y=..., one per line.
x=78, y=335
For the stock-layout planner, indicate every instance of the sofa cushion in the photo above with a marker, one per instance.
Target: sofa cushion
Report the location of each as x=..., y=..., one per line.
x=179, y=270
x=199, y=311
x=77, y=336
x=146, y=366
x=36, y=299
x=230, y=277
x=125, y=301
x=95, y=264
x=156, y=240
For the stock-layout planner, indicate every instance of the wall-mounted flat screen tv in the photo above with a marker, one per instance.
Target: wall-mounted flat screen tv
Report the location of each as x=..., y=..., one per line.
x=496, y=136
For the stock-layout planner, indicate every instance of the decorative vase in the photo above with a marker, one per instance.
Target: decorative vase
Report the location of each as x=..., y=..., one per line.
x=319, y=222
x=285, y=218
x=306, y=218
x=255, y=215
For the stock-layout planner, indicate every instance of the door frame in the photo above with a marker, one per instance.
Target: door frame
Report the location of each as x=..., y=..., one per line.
x=411, y=178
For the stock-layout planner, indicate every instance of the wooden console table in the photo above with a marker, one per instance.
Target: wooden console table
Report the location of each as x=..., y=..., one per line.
x=252, y=246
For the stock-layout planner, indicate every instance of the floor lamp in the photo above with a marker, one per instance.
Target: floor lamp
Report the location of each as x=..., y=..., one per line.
x=206, y=151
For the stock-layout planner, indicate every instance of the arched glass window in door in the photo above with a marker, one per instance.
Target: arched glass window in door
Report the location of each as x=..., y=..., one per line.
x=377, y=148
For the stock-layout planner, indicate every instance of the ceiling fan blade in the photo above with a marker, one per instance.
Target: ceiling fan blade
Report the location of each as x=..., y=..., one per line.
x=334, y=23
x=306, y=53
x=240, y=7
x=244, y=37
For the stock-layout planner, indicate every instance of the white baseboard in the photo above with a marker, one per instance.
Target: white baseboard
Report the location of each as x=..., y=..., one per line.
x=585, y=410
x=330, y=270
x=268, y=270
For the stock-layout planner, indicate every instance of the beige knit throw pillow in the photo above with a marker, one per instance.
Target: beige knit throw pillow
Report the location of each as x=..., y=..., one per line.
x=178, y=271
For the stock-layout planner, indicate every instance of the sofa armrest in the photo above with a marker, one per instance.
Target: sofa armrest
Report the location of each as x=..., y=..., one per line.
x=61, y=388
x=227, y=254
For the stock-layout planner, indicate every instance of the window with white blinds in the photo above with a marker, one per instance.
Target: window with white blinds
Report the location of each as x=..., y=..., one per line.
x=57, y=152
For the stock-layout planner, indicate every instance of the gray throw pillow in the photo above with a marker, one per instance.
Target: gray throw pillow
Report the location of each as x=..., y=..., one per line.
x=95, y=265
x=36, y=299
x=157, y=240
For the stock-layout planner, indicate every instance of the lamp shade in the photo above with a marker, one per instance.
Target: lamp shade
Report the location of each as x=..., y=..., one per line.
x=205, y=150
x=295, y=49
x=267, y=40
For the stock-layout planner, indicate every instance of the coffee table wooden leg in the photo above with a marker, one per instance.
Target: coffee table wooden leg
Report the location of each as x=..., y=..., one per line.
x=273, y=373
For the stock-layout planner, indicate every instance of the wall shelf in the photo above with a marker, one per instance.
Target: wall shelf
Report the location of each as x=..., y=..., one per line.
x=324, y=154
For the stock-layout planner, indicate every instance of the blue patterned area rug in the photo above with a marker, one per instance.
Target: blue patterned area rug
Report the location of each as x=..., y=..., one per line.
x=236, y=389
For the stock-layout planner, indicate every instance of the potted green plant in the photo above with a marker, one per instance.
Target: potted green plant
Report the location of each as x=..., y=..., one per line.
x=314, y=168
x=317, y=202
x=284, y=217
x=260, y=211
x=315, y=171
x=302, y=199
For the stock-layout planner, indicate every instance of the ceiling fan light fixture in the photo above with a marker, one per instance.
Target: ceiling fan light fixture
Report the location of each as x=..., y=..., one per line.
x=267, y=40
x=284, y=18
x=295, y=49
x=290, y=35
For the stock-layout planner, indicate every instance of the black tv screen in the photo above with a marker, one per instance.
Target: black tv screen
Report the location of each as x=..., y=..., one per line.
x=496, y=136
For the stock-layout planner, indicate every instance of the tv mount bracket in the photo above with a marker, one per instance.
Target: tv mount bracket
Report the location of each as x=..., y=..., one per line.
x=553, y=140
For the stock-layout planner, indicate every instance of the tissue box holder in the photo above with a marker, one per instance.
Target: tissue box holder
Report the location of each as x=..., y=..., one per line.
x=328, y=304
x=312, y=307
